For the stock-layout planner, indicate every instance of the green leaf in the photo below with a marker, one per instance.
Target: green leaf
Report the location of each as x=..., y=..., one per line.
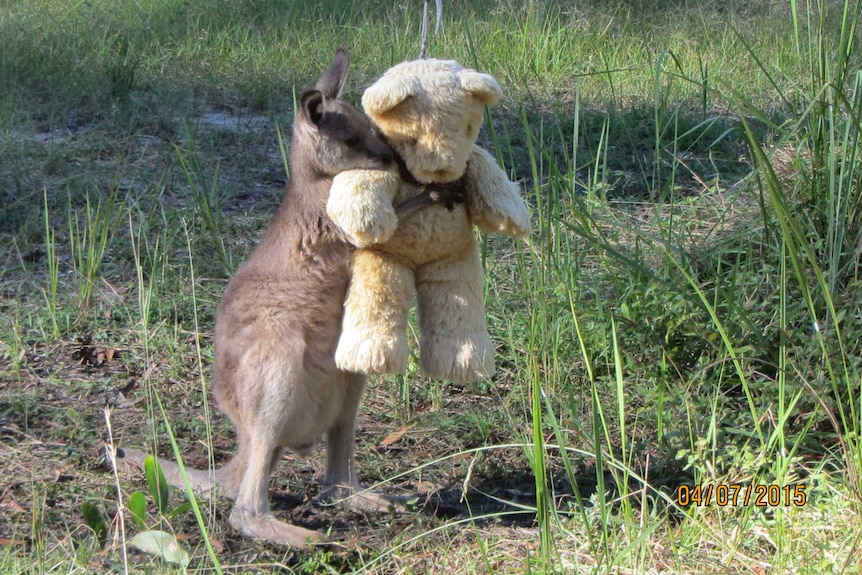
x=95, y=521
x=161, y=544
x=137, y=505
x=157, y=483
x=179, y=510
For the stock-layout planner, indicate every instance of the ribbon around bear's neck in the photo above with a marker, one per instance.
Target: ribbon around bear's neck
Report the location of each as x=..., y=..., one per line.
x=407, y=176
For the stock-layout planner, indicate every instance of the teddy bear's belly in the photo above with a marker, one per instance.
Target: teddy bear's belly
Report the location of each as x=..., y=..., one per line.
x=430, y=234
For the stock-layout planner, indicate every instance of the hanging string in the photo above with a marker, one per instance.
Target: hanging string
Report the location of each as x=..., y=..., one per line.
x=423, y=50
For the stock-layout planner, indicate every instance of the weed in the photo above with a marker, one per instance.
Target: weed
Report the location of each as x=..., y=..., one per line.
x=53, y=272
x=90, y=233
x=206, y=197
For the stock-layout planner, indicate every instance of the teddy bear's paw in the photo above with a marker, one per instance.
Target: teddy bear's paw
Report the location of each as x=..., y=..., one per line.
x=375, y=231
x=517, y=225
x=460, y=360
x=360, y=203
x=503, y=214
x=372, y=353
x=518, y=222
x=364, y=227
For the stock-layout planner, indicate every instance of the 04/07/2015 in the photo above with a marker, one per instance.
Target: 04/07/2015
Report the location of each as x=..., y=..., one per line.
x=724, y=494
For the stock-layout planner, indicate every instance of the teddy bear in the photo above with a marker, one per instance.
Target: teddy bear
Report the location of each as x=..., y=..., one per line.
x=430, y=112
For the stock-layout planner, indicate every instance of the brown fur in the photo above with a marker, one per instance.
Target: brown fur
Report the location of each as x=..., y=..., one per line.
x=279, y=321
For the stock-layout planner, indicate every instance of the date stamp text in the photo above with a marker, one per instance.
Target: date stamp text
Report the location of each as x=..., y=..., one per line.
x=731, y=494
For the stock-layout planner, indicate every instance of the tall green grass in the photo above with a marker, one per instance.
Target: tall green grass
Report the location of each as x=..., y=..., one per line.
x=90, y=232
x=787, y=364
x=96, y=59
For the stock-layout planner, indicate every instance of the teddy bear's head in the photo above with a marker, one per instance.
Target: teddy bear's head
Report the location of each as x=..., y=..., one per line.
x=430, y=111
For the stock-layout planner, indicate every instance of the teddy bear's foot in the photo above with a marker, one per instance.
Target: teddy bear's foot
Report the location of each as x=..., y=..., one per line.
x=372, y=353
x=460, y=360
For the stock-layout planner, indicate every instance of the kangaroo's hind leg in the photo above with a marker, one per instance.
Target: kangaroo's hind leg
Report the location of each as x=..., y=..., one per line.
x=340, y=484
x=274, y=413
x=251, y=514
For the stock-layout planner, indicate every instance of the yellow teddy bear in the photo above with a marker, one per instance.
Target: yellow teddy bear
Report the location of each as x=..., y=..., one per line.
x=430, y=112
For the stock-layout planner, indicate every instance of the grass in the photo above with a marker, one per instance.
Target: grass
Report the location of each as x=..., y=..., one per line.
x=686, y=313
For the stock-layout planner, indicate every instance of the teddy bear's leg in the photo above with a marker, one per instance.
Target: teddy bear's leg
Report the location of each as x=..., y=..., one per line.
x=455, y=344
x=374, y=329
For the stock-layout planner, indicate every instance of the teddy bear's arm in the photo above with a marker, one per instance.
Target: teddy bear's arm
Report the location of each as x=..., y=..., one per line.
x=360, y=203
x=493, y=202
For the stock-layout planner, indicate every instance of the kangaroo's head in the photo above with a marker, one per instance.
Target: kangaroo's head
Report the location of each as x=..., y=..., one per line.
x=331, y=135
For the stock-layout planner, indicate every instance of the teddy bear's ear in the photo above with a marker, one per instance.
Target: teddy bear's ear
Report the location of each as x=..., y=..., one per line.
x=484, y=87
x=387, y=93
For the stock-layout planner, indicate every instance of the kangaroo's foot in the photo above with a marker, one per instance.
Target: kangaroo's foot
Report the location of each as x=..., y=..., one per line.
x=358, y=498
x=271, y=529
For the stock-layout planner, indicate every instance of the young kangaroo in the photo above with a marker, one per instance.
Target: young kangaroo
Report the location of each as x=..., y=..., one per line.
x=278, y=324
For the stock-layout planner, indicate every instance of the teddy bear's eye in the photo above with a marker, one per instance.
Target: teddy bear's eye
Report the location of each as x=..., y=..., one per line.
x=352, y=141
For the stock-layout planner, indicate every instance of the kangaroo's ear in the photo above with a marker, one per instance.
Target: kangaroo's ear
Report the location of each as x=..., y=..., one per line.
x=311, y=106
x=332, y=81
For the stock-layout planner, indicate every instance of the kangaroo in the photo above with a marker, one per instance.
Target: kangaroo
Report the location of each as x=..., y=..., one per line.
x=278, y=324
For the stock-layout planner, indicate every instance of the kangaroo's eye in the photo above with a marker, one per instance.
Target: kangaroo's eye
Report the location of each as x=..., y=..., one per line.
x=352, y=142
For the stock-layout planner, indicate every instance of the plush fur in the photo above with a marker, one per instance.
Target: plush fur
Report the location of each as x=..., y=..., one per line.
x=430, y=112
